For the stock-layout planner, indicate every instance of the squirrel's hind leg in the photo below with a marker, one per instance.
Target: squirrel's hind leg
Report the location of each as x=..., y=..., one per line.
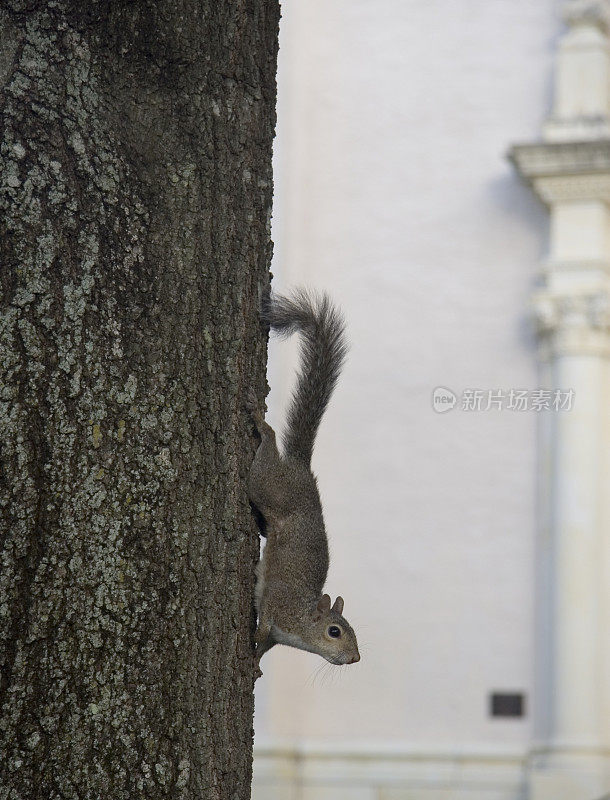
x=267, y=481
x=263, y=429
x=264, y=641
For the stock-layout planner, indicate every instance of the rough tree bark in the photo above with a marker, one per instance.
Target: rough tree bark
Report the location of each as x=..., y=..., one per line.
x=135, y=200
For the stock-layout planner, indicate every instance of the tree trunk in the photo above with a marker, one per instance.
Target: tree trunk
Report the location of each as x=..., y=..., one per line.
x=135, y=200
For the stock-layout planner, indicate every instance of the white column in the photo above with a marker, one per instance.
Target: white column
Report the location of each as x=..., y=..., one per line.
x=570, y=172
x=570, y=762
x=575, y=522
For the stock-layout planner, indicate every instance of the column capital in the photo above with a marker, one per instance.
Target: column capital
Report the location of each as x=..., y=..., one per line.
x=573, y=323
x=554, y=311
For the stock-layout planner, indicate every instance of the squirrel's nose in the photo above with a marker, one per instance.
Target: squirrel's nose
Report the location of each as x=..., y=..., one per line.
x=355, y=658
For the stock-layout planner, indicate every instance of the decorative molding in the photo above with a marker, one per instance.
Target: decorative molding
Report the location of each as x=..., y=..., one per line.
x=385, y=749
x=587, y=310
x=578, y=129
x=595, y=267
x=371, y=771
x=549, y=159
x=587, y=12
x=544, y=750
x=565, y=171
x=565, y=189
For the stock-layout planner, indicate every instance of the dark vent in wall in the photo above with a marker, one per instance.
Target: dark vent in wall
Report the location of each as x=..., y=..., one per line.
x=507, y=704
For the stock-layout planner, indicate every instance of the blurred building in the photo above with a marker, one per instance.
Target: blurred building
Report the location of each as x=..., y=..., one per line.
x=465, y=459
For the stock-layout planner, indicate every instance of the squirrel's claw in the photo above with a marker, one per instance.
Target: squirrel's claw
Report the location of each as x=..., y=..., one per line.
x=253, y=408
x=251, y=401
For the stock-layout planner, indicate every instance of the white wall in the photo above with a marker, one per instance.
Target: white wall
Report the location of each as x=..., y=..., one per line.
x=393, y=193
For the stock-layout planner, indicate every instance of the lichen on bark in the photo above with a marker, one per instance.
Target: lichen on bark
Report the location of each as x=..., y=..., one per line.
x=135, y=194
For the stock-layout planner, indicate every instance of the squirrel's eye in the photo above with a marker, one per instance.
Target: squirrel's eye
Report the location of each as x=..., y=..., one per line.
x=334, y=631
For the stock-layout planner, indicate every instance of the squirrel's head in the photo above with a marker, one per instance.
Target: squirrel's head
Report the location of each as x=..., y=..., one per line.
x=335, y=637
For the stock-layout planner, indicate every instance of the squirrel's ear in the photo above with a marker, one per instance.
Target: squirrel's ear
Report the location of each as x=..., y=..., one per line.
x=324, y=604
x=338, y=605
x=323, y=607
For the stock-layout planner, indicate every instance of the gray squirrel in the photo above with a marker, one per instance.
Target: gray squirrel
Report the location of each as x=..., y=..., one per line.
x=291, y=607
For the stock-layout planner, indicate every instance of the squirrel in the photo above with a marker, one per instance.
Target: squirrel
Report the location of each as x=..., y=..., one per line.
x=292, y=609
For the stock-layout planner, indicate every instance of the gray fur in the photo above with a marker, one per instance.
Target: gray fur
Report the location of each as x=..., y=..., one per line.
x=293, y=569
x=323, y=351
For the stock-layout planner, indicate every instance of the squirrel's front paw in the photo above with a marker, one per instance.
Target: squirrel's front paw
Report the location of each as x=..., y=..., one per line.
x=251, y=401
x=253, y=407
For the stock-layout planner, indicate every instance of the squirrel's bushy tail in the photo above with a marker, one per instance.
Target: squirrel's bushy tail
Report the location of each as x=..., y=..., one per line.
x=323, y=351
